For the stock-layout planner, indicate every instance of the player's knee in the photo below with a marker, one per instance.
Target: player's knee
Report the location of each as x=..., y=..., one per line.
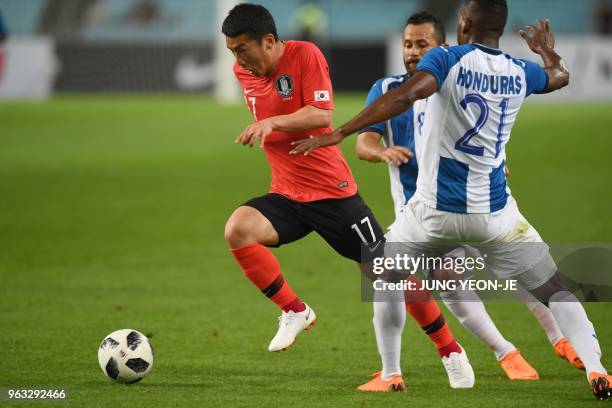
x=237, y=233
x=551, y=289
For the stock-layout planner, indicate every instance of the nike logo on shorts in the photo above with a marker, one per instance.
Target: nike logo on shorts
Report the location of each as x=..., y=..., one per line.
x=374, y=247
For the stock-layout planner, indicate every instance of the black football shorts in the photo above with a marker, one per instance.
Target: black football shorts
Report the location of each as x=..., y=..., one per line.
x=346, y=224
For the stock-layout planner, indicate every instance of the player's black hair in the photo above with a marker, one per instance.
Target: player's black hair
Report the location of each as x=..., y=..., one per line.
x=251, y=19
x=489, y=15
x=423, y=17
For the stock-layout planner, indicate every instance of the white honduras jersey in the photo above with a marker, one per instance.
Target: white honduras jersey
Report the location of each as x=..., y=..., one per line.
x=397, y=131
x=461, y=140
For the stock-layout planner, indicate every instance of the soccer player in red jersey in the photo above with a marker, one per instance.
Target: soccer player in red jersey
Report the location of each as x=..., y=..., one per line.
x=288, y=90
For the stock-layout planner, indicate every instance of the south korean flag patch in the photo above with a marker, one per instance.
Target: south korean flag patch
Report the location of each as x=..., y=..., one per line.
x=321, y=96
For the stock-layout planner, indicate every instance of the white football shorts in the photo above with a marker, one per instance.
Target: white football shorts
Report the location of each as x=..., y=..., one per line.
x=512, y=248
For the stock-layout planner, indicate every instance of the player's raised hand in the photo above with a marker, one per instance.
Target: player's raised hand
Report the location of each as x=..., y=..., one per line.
x=542, y=42
x=396, y=155
x=253, y=132
x=306, y=146
x=542, y=37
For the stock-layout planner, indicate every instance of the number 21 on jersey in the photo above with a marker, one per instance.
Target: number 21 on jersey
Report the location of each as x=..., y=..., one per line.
x=463, y=144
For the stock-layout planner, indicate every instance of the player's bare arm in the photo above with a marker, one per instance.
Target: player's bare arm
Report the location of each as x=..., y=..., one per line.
x=420, y=86
x=307, y=118
x=542, y=42
x=368, y=148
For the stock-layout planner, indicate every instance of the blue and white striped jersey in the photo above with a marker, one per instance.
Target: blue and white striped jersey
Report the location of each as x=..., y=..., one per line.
x=467, y=124
x=397, y=131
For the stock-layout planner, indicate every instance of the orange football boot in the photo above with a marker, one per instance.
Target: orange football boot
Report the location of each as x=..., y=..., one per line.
x=564, y=349
x=517, y=368
x=601, y=384
x=377, y=384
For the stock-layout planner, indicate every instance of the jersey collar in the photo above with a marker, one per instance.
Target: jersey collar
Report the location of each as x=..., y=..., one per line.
x=487, y=49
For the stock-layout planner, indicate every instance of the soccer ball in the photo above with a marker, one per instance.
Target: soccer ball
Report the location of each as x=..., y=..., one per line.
x=126, y=356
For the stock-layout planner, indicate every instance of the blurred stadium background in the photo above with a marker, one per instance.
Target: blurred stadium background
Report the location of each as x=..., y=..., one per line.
x=115, y=188
x=176, y=45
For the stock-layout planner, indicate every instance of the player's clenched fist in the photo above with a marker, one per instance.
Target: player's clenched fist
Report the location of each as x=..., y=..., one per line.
x=258, y=130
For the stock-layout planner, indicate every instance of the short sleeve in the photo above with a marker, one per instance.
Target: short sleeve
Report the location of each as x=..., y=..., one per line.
x=535, y=76
x=316, y=83
x=440, y=60
x=374, y=94
x=436, y=62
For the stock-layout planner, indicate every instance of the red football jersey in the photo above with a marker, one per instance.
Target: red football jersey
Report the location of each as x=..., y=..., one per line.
x=302, y=78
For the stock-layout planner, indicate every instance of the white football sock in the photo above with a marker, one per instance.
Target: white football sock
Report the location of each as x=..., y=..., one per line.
x=389, y=319
x=471, y=313
x=543, y=315
x=575, y=325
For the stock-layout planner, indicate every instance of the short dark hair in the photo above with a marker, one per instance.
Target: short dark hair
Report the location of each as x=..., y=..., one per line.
x=251, y=19
x=491, y=15
x=424, y=17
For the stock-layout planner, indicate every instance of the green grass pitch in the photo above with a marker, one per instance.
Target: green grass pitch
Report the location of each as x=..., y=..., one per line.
x=111, y=216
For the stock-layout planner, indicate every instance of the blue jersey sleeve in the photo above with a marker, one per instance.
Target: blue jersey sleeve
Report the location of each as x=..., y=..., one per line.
x=439, y=61
x=436, y=63
x=374, y=94
x=535, y=76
